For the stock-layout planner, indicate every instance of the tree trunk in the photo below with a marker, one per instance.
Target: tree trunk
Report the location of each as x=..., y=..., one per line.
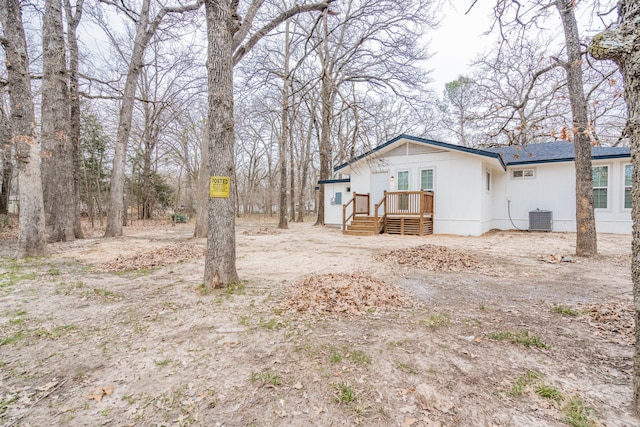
x=31, y=230
x=7, y=162
x=304, y=173
x=326, y=99
x=202, y=204
x=57, y=159
x=622, y=45
x=220, y=261
x=284, y=134
x=115, y=211
x=73, y=20
x=292, y=180
x=7, y=178
x=586, y=239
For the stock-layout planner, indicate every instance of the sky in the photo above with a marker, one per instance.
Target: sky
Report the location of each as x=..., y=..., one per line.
x=458, y=40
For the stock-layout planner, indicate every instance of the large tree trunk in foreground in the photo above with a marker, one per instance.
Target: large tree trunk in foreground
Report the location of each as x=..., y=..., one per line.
x=31, y=230
x=220, y=262
x=622, y=45
x=586, y=239
x=58, y=156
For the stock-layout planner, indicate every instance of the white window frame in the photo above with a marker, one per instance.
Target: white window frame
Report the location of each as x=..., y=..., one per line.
x=487, y=180
x=398, y=172
x=625, y=186
x=433, y=179
x=525, y=173
x=600, y=188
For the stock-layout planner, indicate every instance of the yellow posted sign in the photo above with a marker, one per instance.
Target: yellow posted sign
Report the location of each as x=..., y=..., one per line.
x=219, y=186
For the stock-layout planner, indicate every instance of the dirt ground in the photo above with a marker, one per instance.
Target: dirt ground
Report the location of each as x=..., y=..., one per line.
x=509, y=337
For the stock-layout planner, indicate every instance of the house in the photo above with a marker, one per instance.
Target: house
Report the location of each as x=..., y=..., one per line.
x=475, y=190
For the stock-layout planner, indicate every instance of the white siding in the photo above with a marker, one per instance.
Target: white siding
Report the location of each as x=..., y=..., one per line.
x=553, y=188
x=462, y=204
x=332, y=211
x=458, y=184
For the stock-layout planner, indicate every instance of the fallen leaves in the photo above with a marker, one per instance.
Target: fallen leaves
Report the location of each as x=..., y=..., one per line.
x=435, y=258
x=104, y=391
x=614, y=320
x=264, y=231
x=344, y=294
x=167, y=255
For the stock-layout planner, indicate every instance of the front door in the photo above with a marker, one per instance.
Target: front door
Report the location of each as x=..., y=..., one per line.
x=379, y=184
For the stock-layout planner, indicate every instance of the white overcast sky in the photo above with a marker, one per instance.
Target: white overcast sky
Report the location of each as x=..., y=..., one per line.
x=460, y=37
x=458, y=40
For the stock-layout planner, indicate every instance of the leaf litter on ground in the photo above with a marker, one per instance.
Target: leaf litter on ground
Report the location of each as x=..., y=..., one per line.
x=613, y=320
x=343, y=293
x=436, y=258
x=166, y=255
x=264, y=231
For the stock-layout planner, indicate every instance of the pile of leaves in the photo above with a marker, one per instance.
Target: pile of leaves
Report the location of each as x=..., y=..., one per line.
x=167, y=255
x=614, y=321
x=265, y=231
x=434, y=258
x=344, y=294
x=8, y=227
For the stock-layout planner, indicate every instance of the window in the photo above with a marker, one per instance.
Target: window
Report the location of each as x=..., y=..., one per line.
x=488, y=180
x=426, y=179
x=600, y=186
x=628, y=173
x=337, y=198
x=403, y=180
x=523, y=173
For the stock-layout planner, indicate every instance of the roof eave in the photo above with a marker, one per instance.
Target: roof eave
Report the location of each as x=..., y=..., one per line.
x=567, y=159
x=445, y=145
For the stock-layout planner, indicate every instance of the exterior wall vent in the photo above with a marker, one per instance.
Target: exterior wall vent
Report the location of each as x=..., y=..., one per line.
x=540, y=220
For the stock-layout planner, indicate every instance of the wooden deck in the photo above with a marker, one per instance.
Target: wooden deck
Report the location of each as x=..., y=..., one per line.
x=398, y=212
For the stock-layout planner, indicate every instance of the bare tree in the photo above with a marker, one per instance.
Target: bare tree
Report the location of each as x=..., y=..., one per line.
x=146, y=27
x=460, y=97
x=622, y=45
x=513, y=25
x=226, y=34
x=372, y=45
x=285, y=141
x=586, y=238
x=73, y=16
x=58, y=150
x=522, y=97
x=31, y=230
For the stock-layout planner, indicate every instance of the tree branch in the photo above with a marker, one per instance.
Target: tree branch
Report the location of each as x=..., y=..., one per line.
x=246, y=23
x=241, y=51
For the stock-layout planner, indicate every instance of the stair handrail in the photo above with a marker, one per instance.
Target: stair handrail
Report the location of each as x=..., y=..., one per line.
x=344, y=212
x=379, y=221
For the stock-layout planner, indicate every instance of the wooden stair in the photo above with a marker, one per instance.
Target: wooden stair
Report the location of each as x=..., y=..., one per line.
x=362, y=226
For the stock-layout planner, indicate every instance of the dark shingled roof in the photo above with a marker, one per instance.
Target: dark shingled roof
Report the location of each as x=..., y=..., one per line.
x=549, y=152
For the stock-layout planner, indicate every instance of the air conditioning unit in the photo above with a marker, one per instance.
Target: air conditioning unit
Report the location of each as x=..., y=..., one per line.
x=540, y=220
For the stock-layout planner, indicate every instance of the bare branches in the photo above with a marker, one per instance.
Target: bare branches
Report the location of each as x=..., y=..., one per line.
x=240, y=51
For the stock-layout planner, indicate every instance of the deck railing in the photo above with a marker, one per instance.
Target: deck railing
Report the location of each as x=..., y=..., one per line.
x=393, y=203
x=409, y=202
x=359, y=205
